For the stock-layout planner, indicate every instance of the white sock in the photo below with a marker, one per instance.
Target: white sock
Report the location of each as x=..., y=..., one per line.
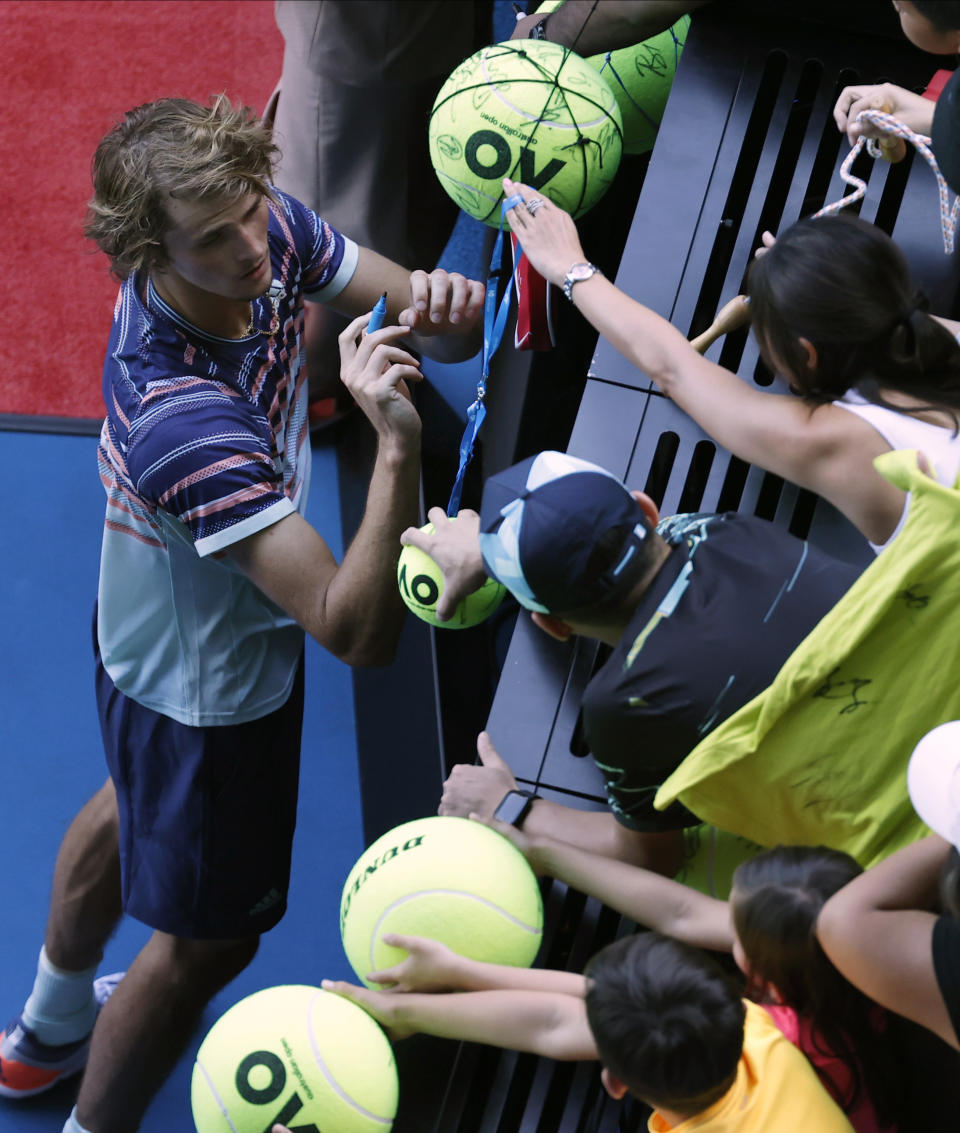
x=72, y=1125
x=61, y=1008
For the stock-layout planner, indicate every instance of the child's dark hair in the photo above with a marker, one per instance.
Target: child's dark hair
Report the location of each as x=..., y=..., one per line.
x=776, y=899
x=844, y=285
x=667, y=1021
x=943, y=14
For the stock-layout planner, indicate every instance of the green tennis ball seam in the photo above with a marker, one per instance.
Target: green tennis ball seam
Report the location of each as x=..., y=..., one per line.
x=561, y=92
x=520, y=80
x=606, y=115
x=498, y=51
x=504, y=895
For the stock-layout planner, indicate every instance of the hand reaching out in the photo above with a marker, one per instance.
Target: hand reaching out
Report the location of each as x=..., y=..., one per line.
x=381, y=1005
x=912, y=109
x=428, y=965
x=455, y=548
x=477, y=789
x=548, y=235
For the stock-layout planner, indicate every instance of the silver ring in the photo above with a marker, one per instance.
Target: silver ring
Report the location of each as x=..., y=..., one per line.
x=535, y=203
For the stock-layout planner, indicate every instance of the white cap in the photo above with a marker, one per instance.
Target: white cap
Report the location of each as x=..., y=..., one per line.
x=933, y=780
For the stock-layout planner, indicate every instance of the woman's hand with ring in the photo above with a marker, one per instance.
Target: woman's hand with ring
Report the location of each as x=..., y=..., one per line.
x=551, y=244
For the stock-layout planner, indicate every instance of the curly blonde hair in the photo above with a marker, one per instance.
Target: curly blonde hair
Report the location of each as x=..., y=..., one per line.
x=177, y=148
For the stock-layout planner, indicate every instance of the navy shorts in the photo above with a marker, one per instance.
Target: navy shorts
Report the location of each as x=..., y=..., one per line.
x=207, y=815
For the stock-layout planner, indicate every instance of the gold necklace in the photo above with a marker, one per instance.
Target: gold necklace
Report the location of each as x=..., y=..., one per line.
x=274, y=319
x=250, y=329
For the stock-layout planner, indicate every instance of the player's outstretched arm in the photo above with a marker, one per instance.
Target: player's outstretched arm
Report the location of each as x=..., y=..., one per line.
x=353, y=609
x=550, y=1024
x=442, y=309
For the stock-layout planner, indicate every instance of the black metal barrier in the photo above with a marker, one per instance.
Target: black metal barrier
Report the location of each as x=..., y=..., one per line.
x=747, y=143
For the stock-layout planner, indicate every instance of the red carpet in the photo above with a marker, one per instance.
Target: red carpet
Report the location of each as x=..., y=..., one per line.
x=71, y=69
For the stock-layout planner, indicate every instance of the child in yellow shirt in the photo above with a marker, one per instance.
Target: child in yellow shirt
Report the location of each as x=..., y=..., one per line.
x=667, y=1024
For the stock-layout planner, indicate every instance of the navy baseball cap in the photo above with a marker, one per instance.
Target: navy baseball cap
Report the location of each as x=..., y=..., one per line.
x=540, y=523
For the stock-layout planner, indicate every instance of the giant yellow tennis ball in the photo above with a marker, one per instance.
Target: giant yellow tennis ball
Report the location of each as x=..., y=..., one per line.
x=640, y=77
x=532, y=111
x=449, y=879
x=421, y=584
x=299, y=1056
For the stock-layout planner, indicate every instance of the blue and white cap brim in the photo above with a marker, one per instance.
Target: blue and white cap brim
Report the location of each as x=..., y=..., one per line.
x=500, y=548
x=501, y=554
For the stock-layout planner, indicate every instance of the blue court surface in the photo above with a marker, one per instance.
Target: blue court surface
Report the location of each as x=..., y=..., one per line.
x=52, y=761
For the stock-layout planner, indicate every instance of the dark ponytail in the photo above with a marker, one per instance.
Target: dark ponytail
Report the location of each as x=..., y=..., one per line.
x=776, y=899
x=844, y=285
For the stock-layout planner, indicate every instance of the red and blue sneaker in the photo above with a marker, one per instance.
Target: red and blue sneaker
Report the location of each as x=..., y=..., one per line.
x=28, y=1066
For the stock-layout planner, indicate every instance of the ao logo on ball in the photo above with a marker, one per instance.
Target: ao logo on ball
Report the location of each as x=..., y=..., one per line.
x=421, y=587
x=421, y=584
x=271, y=1091
x=530, y=110
x=298, y=1056
x=502, y=163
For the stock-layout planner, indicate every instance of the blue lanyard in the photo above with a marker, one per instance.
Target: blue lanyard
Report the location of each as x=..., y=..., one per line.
x=494, y=322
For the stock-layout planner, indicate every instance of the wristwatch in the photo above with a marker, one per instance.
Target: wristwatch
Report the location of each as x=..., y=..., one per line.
x=577, y=274
x=514, y=807
x=539, y=29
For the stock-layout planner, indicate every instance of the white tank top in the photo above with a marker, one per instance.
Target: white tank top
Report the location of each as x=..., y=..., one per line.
x=940, y=445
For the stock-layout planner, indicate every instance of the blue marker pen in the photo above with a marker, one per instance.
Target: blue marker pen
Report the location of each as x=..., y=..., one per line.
x=378, y=314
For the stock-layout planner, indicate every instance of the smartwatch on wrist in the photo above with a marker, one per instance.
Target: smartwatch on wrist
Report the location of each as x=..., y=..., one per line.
x=515, y=806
